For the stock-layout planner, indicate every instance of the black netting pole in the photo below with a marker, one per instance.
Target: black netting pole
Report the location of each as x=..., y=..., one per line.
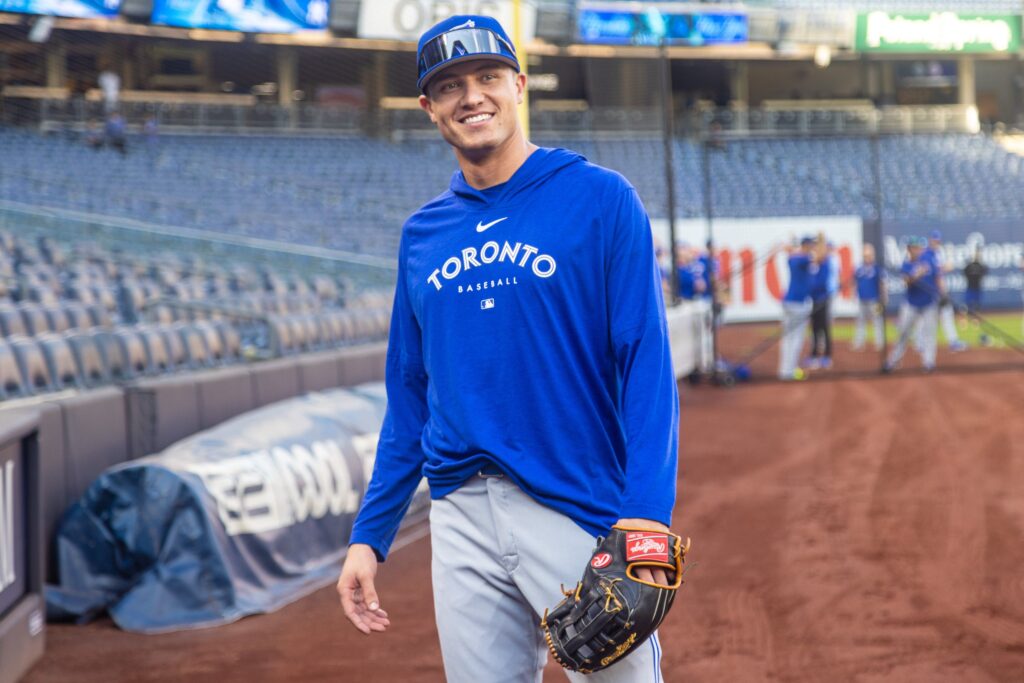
x=879, y=242
x=665, y=90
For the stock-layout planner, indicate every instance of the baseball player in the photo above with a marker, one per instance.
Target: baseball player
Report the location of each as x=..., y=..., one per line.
x=974, y=274
x=1020, y=264
x=921, y=274
x=690, y=273
x=870, y=300
x=700, y=271
x=796, y=308
x=824, y=286
x=934, y=252
x=529, y=376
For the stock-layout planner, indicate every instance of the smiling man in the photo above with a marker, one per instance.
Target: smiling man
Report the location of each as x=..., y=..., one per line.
x=529, y=376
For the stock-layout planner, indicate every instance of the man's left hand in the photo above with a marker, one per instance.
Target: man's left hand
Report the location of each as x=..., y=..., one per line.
x=649, y=574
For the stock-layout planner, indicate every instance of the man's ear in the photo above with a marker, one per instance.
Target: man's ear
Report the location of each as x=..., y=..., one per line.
x=520, y=87
x=427, y=106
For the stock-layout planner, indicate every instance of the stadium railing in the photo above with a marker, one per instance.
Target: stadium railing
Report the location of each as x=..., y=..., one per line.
x=53, y=109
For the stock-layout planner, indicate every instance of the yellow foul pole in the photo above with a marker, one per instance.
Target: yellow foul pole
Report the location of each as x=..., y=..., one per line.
x=517, y=38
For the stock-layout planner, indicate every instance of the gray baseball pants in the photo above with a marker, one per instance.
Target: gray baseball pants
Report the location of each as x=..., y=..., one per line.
x=948, y=321
x=867, y=312
x=499, y=559
x=794, y=329
x=921, y=324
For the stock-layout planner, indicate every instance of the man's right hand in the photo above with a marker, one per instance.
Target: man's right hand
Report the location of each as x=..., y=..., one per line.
x=355, y=588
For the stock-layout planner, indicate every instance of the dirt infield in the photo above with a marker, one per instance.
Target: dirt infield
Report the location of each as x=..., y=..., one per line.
x=858, y=530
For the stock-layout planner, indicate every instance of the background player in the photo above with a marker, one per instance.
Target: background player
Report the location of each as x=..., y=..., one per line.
x=822, y=283
x=529, y=375
x=870, y=290
x=974, y=274
x=690, y=273
x=796, y=307
x=921, y=275
x=945, y=304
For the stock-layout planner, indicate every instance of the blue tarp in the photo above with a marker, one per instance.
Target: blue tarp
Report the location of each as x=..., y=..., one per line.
x=240, y=519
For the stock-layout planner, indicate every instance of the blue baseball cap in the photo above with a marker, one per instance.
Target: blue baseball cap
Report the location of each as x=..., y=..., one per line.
x=460, y=38
x=935, y=235
x=807, y=239
x=917, y=242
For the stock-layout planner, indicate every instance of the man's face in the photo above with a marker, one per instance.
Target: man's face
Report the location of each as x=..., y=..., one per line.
x=474, y=104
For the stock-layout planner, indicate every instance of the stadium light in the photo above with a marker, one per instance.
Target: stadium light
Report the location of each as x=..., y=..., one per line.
x=822, y=56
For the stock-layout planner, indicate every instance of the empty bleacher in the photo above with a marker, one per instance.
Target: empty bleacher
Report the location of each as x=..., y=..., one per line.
x=76, y=316
x=353, y=193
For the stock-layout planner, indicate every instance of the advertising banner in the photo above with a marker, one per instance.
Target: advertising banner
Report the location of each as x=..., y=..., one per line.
x=752, y=259
x=682, y=26
x=240, y=519
x=937, y=32
x=76, y=9
x=258, y=16
x=1000, y=245
x=407, y=19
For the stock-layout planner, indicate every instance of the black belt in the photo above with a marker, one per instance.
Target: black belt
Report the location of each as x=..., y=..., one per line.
x=489, y=469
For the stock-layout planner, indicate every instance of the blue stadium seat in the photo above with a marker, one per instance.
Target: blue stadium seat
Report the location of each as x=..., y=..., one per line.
x=195, y=345
x=36, y=321
x=115, y=362
x=35, y=375
x=60, y=362
x=11, y=321
x=88, y=359
x=11, y=383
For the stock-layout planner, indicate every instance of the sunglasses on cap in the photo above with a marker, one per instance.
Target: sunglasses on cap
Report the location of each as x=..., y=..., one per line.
x=459, y=44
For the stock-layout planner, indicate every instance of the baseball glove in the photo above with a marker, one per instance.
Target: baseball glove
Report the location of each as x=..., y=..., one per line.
x=611, y=612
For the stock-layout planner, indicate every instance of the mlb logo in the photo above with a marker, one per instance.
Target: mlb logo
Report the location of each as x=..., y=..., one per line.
x=486, y=303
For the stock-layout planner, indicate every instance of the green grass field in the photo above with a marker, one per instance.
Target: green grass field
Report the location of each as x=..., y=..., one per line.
x=1002, y=329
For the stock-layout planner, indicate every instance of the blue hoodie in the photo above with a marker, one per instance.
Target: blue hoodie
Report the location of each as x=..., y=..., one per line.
x=801, y=277
x=528, y=332
x=821, y=281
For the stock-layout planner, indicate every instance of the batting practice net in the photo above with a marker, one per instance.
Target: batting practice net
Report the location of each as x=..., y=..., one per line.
x=864, y=205
x=260, y=137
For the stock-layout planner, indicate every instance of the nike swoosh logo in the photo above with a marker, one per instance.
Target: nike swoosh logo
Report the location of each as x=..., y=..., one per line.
x=481, y=226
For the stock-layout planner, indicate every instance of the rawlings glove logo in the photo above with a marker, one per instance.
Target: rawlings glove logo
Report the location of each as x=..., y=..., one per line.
x=646, y=546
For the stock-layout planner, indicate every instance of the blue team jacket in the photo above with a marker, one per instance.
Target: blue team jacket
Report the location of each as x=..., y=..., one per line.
x=529, y=331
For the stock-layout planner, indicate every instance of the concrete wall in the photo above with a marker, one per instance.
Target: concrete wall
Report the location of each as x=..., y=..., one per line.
x=22, y=620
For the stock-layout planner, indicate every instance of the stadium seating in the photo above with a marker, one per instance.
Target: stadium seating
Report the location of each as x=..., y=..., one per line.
x=86, y=352
x=340, y=192
x=32, y=364
x=86, y=312
x=78, y=315
x=60, y=363
x=11, y=383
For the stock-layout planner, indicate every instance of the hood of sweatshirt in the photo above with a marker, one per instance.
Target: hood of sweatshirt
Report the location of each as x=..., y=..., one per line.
x=543, y=163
